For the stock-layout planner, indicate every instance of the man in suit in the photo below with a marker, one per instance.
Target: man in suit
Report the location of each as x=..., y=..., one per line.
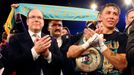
x=32, y=52
x=55, y=28
x=130, y=50
x=128, y=19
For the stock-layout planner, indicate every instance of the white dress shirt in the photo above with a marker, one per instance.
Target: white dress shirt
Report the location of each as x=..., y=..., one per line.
x=34, y=53
x=59, y=41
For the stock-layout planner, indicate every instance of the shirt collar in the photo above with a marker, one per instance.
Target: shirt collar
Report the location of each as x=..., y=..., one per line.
x=59, y=38
x=31, y=33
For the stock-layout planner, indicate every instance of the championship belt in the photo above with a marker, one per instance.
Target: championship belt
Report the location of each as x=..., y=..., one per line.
x=90, y=60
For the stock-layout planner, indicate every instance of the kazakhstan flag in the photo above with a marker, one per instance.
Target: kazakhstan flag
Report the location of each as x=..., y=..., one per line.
x=10, y=22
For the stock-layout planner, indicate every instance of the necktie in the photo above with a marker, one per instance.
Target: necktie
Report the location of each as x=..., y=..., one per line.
x=34, y=37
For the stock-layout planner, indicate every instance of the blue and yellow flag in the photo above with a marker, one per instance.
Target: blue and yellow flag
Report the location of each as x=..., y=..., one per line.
x=52, y=12
x=10, y=21
x=59, y=12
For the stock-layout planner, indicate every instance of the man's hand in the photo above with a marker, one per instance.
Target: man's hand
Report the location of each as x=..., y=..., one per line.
x=91, y=37
x=42, y=45
x=94, y=39
x=14, y=5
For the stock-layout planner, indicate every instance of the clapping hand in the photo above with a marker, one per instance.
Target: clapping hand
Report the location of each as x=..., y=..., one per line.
x=94, y=39
x=42, y=45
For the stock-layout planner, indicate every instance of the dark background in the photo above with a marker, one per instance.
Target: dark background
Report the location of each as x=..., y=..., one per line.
x=74, y=26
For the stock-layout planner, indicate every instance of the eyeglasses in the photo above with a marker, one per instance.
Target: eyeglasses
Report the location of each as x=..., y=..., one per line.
x=35, y=17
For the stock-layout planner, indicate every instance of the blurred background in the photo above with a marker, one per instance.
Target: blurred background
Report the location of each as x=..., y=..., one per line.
x=74, y=26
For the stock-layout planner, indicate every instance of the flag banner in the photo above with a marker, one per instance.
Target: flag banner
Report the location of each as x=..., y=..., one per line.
x=51, y=12
x=59, y=12
x=10, y=22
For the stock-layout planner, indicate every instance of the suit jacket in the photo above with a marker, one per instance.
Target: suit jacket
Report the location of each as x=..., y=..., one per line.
x=20, y=58
x=68, y=40
x=130, y=46
x=128, y=29
x=130, y=51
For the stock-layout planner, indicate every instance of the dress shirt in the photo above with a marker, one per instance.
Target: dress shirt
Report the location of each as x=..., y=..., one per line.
x=34, y=53
x=59, y=41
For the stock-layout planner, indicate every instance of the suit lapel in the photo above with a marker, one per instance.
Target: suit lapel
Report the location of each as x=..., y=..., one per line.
x=26, y=41
x=65, y=39
x=42, y=34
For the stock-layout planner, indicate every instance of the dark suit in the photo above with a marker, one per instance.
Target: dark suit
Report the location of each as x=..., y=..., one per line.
x=130, y=50
x=68, y=40
x=20, y=58
x=128, y=28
